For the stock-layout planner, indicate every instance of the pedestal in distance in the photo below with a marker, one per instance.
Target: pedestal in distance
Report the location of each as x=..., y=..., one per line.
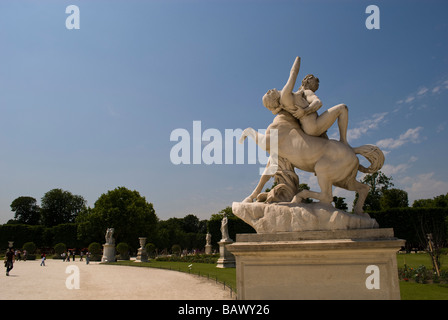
x=108, y=253
x=226, y=259
x=208, y=249
x=338, y=264
x=142, y=255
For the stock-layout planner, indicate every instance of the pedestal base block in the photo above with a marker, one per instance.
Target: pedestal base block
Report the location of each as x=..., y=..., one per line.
x=339, y=264
x=108, y=253
x=226, y=259
x=142, y=255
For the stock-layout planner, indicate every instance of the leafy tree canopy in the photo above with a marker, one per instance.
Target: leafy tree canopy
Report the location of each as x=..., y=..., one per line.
x=59, y=206
x=26, y=210
x=126, y=211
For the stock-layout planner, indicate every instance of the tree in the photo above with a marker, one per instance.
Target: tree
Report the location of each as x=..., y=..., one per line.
x=59, y=206
x=190, y=223
x=30, y=247
x=189, y=232
x=124, y=210
x=339, y=203
x=394, y=198
x=378, y=182
x=60, y=248
x=26, y=210
x=304, y=186
x=123, y=250
x=436, y=202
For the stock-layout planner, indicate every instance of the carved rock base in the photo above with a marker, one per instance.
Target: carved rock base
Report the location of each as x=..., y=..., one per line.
x=292, y=217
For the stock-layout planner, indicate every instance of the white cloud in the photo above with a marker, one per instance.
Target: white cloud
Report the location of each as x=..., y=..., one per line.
x=411, y=135
x=440, y=87
x=409, y=99
x=441, y=127
x=365, y=126
x=422, y=91
x=389, y=169
x=424, y=186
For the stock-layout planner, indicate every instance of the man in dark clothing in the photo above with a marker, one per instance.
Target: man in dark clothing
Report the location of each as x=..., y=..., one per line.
x=9, y=260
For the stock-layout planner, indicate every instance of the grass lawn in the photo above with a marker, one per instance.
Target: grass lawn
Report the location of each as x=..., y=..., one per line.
x=415, y=260
x=417, y=291
x=409, y=290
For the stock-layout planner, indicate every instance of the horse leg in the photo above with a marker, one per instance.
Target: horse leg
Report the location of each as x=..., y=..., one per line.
x=325, y=196
x=362, y=190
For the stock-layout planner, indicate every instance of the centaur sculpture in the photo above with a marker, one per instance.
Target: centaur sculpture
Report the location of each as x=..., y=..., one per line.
x=303, y=144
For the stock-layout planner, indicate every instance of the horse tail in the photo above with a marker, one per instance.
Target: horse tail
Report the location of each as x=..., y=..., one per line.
x=249, y=132
x=373, y=154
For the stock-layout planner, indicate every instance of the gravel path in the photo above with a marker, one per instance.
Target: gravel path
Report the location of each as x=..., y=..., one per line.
x=29, y=280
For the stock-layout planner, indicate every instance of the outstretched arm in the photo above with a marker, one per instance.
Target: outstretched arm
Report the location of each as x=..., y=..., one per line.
x=287, y=98
x=289, y=86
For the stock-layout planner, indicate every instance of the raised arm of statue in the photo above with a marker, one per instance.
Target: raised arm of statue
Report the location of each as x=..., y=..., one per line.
x=293, y=102
x=286, y=96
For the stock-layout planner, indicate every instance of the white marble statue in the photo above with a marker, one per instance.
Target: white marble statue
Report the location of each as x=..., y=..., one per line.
x=304, y=104
x=208, y=239
x=109, y=234
x=303, y=144
x=224, y=229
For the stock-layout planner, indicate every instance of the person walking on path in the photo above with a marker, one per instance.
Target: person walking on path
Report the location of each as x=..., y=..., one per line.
x=87, y=257
x=9, y=262
x=42, y=263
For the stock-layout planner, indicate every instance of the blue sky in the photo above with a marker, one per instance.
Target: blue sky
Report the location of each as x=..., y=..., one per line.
x=92, y=109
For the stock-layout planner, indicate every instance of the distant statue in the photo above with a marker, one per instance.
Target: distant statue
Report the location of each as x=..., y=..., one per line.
x=224, y=229
x=208, y=239
x=109, y=238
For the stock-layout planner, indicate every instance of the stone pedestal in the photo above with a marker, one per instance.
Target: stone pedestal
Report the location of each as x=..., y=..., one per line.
x=338, y=264
x=226, y=259
x=208, y=249
x=142, y=255
x=108, y=253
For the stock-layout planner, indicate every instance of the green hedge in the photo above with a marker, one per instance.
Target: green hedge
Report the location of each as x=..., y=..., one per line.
x=196, y=258
x=21, y=234
x=40, y=235
x=413, y=224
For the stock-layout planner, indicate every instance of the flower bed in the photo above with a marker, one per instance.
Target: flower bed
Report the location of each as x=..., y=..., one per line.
x=422, y=274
